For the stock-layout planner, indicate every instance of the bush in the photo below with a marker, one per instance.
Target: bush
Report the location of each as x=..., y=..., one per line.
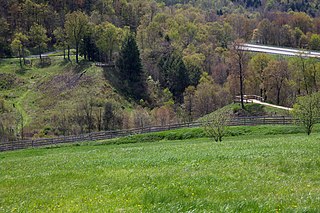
x=216, y=124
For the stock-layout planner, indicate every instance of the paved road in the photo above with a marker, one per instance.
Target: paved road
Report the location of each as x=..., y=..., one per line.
x=43, y=54
x=279, y=51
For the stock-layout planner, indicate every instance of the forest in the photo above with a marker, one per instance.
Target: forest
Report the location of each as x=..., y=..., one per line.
x=175, y=59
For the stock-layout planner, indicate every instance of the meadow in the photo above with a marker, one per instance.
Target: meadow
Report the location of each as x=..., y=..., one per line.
x=245, y=173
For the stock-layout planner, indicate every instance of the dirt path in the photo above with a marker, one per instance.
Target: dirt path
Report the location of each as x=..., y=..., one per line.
x=271, y=105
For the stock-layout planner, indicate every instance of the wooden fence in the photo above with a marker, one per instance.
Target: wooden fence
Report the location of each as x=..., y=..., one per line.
x=248, y=98
x=240, y=121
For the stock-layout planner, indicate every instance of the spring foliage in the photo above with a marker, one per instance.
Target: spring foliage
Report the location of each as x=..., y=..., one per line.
x=307, y=111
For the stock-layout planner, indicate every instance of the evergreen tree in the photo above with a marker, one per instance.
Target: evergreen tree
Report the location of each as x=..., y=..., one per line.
x=130, y=70
x=174, y=74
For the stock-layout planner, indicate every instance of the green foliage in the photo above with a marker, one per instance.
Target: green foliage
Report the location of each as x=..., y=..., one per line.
x=61, y=39
x=314, y=43
x=108, y=39
x=307, y=111
x=18, y=45
x=76, y=26
x=38, y=37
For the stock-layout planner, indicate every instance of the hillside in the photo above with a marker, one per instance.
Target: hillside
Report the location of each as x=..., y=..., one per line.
x=47, y=97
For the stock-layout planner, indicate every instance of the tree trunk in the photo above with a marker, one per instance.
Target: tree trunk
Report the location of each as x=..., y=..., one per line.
x=69, y=53
x=23, y=56
x=20, y=60
x=64, y=53
x=39, y=49
x=77, y=53
x=110, y=56
x=278, y=96
x=241, y=83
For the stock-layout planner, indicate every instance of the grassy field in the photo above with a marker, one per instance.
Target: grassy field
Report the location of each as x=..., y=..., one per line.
x=248, y=173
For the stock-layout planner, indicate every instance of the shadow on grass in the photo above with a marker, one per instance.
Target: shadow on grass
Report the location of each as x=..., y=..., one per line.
x=22, y=71
x=82, y=66
x=64, y=62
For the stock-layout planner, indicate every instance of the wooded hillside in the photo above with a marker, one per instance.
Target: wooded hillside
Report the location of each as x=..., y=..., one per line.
x=173, y=60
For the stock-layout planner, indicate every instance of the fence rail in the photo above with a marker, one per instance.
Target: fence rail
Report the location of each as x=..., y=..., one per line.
x=240, y=121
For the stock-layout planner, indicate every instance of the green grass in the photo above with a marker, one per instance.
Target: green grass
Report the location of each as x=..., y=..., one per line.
x=193, y=133
x=249, y=173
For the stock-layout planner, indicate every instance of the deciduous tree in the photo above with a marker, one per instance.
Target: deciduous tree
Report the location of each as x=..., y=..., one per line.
x=239, y=61
x=257, y=77
x=39, y=38
x=18, y=46
x=76, y=25
x=216, y=123
x=108, y=39
x=307, y=111
x=278, y=74
x=61, y=40
x=314, y=43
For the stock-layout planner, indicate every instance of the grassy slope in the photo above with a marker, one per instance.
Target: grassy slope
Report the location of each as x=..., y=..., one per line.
x=242, y=174
x=40, y=93
x=267, y=110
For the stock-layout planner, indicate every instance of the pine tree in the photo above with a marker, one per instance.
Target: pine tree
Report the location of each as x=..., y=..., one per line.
x=174, y=74
x=130, y=70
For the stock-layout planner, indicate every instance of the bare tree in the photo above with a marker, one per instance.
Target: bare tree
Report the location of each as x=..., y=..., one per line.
x=216, y=123
x=239, y=61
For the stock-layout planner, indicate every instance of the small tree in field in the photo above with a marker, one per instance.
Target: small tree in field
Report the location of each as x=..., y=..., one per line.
x=216, y=123
x=307, y=111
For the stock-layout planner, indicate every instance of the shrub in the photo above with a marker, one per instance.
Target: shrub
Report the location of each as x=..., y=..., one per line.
x=215, y=126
